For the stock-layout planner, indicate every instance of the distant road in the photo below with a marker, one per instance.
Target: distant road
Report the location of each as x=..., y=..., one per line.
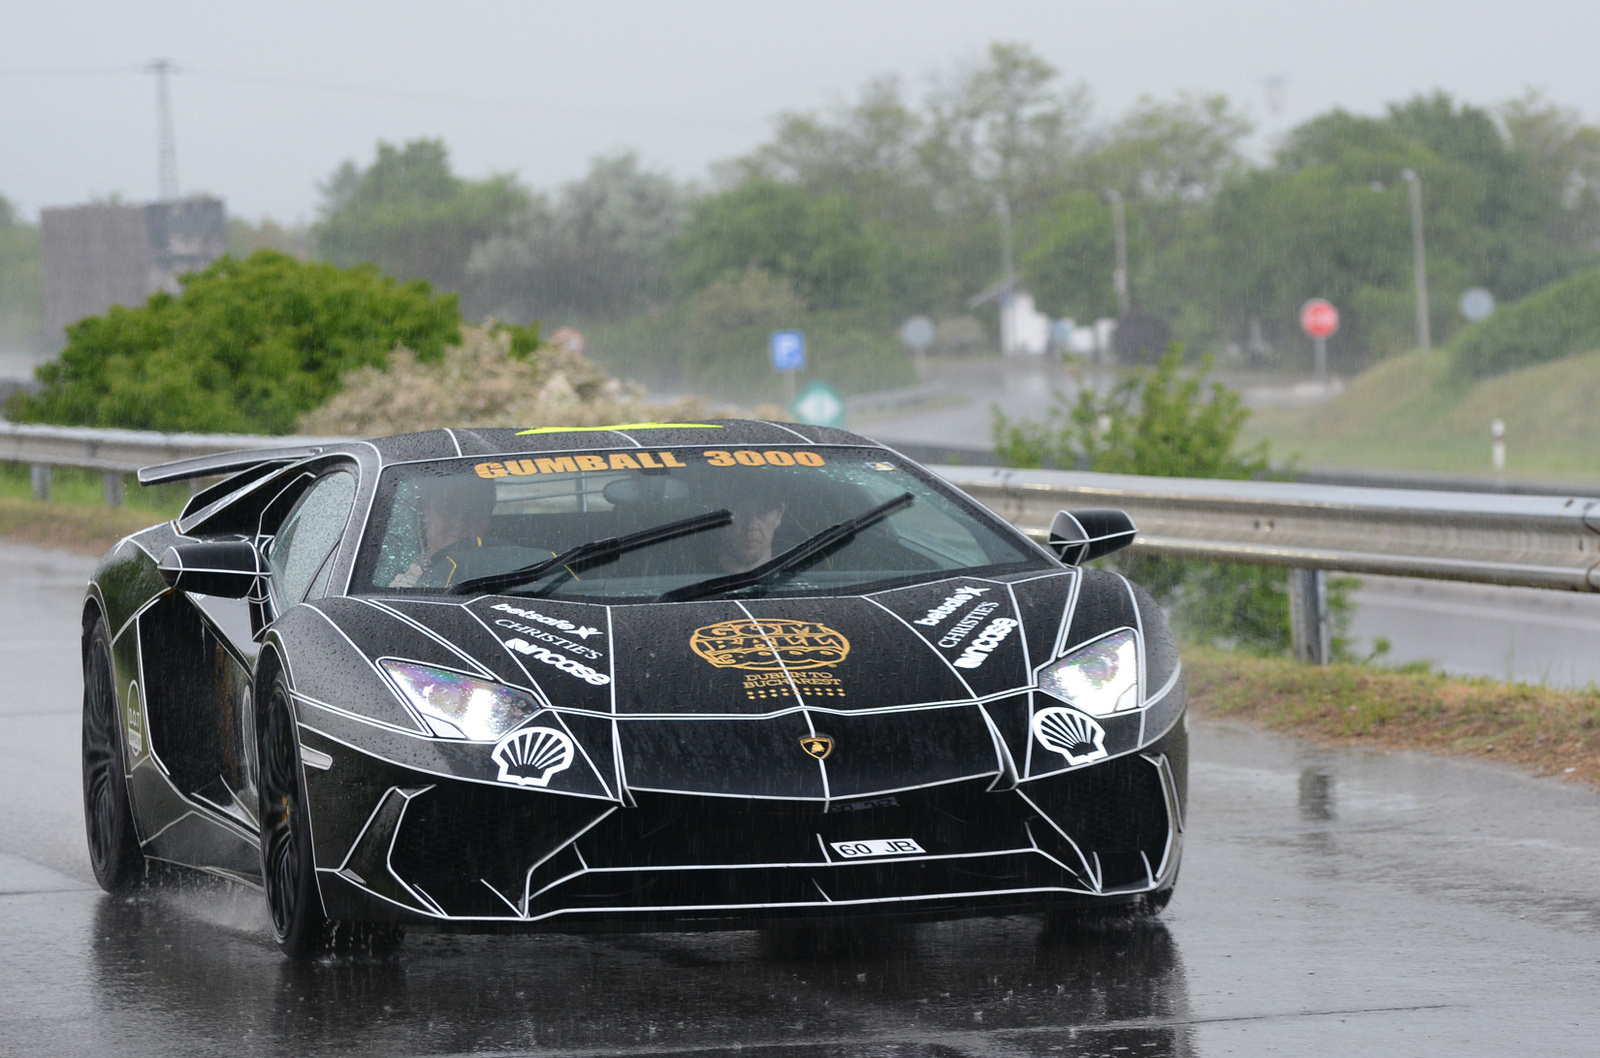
x=1520, y=634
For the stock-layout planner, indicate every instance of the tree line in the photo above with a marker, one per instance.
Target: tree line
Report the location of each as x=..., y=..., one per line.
x=891, y=202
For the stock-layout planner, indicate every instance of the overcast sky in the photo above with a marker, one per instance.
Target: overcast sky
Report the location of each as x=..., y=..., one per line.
x=684, y=82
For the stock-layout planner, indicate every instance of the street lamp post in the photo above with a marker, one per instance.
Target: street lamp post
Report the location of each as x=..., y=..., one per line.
x=1003, y=207
x=1419, y=260
x=1119, y=277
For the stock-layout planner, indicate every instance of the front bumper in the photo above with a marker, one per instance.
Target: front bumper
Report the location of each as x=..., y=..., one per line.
x=479, y=856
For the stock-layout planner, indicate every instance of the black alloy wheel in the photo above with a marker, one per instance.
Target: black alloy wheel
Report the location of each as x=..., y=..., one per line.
x=108, y=816
x=287, y=867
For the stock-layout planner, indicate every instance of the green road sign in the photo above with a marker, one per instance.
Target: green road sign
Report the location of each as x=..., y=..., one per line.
x=819, y=405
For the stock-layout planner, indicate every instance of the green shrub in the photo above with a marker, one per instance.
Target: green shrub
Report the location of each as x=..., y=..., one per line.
x=1558, y=321
x=1161, y=422
x=245, y=348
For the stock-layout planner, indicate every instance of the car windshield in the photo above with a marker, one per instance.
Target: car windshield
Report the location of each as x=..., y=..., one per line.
x=437, y=527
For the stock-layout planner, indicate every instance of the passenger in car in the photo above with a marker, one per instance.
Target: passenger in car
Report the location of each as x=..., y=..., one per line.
x=453, y=516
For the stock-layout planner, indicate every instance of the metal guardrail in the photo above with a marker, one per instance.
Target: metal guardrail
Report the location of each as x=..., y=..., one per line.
x=890, y=401
x=1488, y=538
x=122, y=451
x=116, y=452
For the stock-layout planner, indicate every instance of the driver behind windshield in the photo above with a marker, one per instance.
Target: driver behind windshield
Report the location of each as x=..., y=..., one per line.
x=746, y=543
x=452, y=532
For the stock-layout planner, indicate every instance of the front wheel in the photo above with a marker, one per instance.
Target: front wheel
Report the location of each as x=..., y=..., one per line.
x=288, y=867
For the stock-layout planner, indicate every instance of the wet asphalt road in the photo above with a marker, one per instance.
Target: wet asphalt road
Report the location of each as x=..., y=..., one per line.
x=1331, y=903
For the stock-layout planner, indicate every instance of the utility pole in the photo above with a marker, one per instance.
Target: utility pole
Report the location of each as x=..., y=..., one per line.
x=1119, y=278
x=1008, y=280
x=166, y=142
x=1419, y=261
x=1002, y=207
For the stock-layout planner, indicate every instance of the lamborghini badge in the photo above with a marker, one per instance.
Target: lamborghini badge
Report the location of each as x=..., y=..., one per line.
x=819, y=746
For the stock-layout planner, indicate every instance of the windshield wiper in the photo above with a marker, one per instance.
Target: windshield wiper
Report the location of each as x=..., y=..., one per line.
x=594, y=552
x=829, y=537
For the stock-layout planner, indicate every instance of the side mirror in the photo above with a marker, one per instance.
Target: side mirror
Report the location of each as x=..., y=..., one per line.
x=226, y=568
x=1083, y=536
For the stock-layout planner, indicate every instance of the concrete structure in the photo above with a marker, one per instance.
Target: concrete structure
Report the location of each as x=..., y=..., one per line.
x=101, y=255
x=1023, y=329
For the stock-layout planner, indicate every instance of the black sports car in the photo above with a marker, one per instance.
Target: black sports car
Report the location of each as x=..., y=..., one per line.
x=682, y=675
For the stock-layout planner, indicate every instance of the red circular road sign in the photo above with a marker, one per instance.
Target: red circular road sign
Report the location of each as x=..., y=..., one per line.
x=1319, y=318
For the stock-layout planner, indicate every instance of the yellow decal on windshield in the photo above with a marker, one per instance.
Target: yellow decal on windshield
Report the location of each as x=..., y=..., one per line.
x=623, y=426
x=774, y=458
x=630, y=460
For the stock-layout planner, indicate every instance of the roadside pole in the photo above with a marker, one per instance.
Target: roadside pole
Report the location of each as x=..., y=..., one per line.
x=788, y=350
x=1310, y=631
x=1320, y=320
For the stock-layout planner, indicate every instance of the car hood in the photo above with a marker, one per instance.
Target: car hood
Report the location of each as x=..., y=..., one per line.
x=954, y=640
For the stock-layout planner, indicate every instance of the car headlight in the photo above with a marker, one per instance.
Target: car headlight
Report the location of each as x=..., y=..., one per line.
x=1099, y=679
x=458, y=706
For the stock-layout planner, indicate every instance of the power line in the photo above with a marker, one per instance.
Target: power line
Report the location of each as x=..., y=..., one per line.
x=68, y=71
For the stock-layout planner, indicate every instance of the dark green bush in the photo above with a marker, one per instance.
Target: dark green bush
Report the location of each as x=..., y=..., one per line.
x=1558, y=321
x=245, y=348
x=1162, y=422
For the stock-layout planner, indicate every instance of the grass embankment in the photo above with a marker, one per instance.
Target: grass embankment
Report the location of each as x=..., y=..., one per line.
x=1412, y=413
x=1549, y=731
x=77, y=518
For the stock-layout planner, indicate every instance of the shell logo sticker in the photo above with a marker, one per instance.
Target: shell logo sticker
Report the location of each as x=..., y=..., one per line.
x=784, y=658
x=1074, y=735
x=819, y=746
x=532, y=755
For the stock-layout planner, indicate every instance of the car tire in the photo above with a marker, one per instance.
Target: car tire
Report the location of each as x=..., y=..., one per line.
x=288, y=869
x=108, y=814
x=288, y=866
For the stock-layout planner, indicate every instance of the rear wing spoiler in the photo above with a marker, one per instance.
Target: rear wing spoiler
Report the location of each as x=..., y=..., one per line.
x=221, y=463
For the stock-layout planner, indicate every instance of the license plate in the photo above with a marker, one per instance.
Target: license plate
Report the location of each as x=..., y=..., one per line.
x=860, y=850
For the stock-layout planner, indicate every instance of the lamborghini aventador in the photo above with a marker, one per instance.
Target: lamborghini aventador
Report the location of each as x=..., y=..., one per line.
x=710, y=675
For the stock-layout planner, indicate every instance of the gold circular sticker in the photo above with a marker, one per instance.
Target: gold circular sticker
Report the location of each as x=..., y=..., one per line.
x=769, y=645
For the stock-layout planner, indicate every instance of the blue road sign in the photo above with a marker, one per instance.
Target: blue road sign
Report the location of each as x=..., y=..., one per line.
x=788, y=350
